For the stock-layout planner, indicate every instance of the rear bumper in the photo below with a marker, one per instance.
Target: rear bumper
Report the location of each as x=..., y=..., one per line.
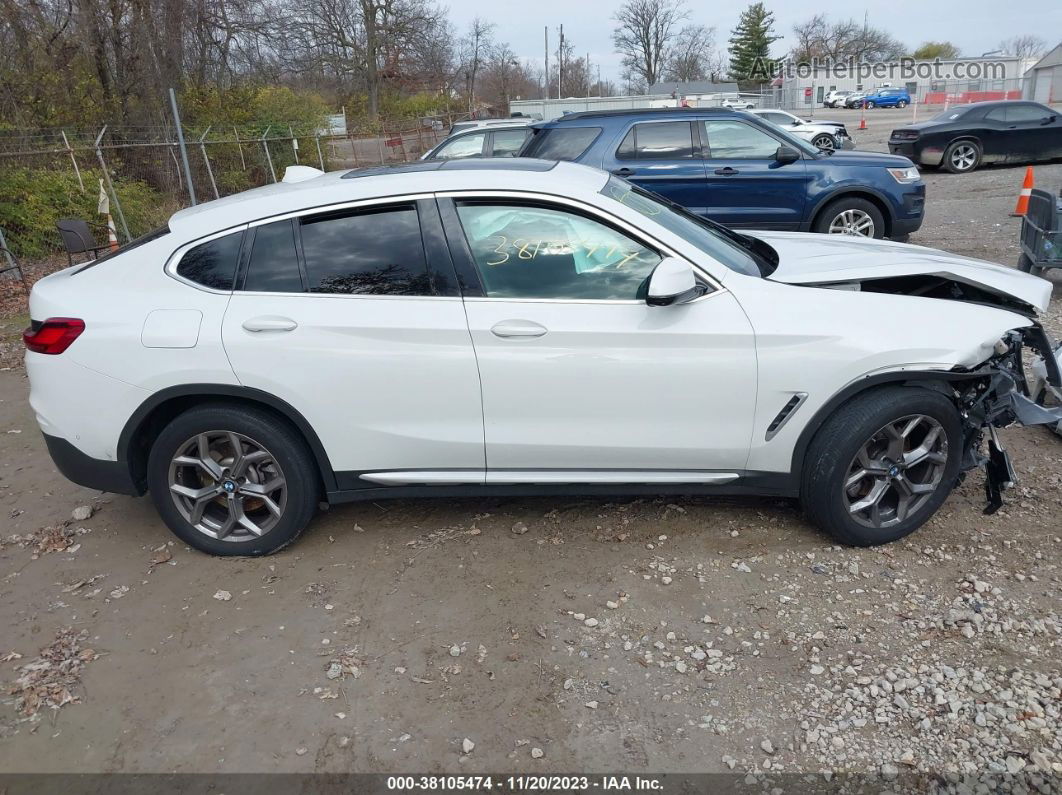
x=93, y=473
x=922, y=155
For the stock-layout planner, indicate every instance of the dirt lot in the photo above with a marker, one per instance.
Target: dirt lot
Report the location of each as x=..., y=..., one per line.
x=553, y=634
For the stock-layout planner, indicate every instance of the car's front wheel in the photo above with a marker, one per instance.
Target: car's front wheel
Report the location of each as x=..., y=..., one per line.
x=868, y=104
x=851, y=216
x=824, y=141
x=882, y=465
x=962, y=157
x=232, y=480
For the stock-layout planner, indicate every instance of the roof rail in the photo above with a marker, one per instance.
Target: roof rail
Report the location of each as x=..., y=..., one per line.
x=594, y=114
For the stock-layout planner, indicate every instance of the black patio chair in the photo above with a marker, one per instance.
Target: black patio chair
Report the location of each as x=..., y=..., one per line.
x=8, y=262
x=78, y=238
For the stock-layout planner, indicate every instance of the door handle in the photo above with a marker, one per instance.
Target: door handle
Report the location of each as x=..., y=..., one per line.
x=726, y=172
x=508, y=329
x=624, y=172
x=269, y=323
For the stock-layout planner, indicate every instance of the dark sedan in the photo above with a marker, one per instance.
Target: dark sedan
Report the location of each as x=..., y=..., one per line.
x=965, y=136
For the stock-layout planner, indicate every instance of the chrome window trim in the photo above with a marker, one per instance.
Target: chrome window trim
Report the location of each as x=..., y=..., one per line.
x=638, y=234
x=352, y=205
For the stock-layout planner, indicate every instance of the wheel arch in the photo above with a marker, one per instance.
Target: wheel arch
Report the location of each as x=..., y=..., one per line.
x=153, y=414
x=937, y=381
x=856, y=192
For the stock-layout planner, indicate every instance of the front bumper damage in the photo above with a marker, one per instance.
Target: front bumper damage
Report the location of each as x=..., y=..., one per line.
x=997, y=395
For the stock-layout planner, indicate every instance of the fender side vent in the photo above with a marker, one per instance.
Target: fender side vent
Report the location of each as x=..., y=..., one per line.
x=783, y=416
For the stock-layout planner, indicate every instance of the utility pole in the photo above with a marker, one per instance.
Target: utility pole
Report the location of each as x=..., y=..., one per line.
x=545, y=82
x=588, y=73
x=560, y=64
x=184, y=151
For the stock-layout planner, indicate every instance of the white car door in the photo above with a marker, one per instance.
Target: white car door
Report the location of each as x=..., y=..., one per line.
x=582, y=380
x=345, y=316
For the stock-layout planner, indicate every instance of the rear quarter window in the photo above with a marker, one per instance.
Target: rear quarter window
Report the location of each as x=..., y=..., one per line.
x=560, y=143
x=212, y=264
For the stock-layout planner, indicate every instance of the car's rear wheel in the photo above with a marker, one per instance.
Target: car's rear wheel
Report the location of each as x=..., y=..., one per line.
x=881, y=466
x=851, y=216
x=824, y=141
x=961, y=157
x=902, y=103
x=232, y=480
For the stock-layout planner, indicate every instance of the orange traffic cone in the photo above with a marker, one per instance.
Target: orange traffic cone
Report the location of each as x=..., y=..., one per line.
x=862, y=117
x=1022, y=206
x=112, y=235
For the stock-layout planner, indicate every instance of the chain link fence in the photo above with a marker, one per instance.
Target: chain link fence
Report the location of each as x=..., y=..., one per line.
x=935, y=93
x=50, y=175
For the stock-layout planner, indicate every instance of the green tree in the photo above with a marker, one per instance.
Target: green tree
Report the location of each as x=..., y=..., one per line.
x=929, y=50
x=750, y=45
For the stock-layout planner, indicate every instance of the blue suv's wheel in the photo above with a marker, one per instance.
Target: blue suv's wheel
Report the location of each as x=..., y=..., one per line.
x=851, y=215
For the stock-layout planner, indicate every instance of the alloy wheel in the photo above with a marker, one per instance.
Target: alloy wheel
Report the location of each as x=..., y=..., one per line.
x=825, y=142
x=852, y=222
x=963, y=157
x=896, y=471
x=227, y=486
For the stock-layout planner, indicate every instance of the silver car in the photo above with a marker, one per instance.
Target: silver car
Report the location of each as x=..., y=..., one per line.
x=823, y=134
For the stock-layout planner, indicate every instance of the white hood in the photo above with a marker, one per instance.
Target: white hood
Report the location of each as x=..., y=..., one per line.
x=805, y=258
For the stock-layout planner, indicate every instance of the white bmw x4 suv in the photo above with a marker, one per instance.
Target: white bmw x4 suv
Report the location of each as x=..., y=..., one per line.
x=520, y=327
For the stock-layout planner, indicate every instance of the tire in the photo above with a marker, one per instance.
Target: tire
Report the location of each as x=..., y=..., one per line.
x=1025, y=264
x=832, y=459
x=833, y=216
x=825, y=141
x=902, y=103
x=869, y=104
x=272, y=452
x=961, y=157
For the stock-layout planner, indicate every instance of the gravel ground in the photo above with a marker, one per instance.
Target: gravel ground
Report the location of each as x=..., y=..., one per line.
x=543, y=635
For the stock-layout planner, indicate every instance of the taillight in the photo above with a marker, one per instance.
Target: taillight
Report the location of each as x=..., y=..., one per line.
x=54, y=335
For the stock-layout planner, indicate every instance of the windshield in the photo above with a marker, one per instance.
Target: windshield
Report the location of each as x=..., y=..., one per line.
x=731, y=249
x=951, y=113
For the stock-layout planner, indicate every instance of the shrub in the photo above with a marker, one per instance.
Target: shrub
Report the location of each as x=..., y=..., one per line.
x=33, y=199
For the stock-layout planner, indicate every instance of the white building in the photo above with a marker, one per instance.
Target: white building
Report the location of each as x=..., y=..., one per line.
x=928, y=82
x=1043, y=82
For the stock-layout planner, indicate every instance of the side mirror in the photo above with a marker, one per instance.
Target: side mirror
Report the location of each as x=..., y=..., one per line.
x=784, y=155
x=672, y=282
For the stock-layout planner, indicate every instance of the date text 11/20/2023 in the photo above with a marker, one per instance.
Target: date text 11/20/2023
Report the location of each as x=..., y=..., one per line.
x=530, y=783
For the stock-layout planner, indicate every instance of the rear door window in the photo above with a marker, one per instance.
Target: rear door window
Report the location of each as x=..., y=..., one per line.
x=212, y=264
x=672, y=140
x=508, y=142
x=561, y=143
x=369, y=252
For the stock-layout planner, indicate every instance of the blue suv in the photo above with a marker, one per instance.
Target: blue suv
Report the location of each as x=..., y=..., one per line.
x=736, y=169
x=887, y=98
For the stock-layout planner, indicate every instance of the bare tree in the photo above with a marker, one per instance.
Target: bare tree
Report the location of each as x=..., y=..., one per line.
x=475, y=50
x=1027, y=46
x=645, y=31
x=691, y=57
x=819, y=38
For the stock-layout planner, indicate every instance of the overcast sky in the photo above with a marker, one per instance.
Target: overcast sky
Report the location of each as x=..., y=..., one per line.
x=975, y=26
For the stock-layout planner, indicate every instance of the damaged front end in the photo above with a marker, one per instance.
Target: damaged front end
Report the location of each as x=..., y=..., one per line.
x=995, y=395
